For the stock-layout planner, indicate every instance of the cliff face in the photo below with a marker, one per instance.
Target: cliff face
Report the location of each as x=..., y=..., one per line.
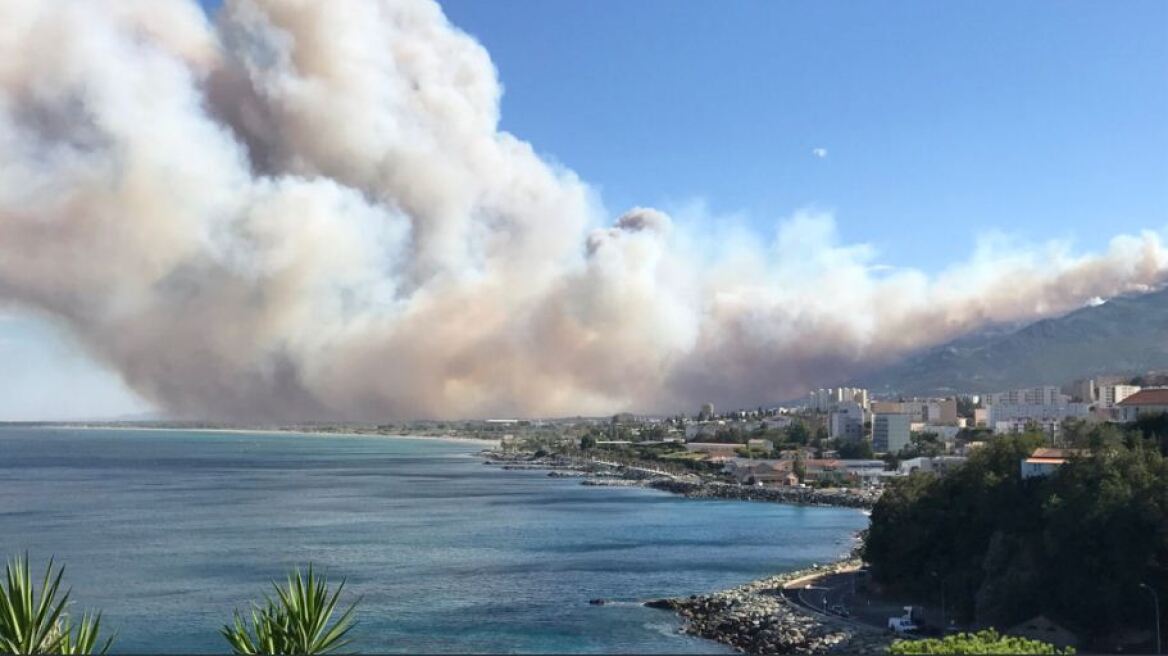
x=1124, y=335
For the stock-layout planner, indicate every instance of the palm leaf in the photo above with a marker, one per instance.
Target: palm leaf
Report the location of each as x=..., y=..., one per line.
x=39, y=624
x=298, y=620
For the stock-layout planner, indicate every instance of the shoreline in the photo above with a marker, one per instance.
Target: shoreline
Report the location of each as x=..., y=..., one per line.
x=754, y=617
x=480, y=441
x=602, y=474
x=757, y=618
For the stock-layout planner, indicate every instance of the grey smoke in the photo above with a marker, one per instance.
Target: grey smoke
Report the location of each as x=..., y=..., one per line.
x=301, y=212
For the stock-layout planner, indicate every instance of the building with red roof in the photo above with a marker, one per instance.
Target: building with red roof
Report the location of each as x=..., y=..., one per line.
x=1148, y=401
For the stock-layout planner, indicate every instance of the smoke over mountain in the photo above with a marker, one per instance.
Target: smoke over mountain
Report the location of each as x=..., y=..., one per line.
x=303, y=211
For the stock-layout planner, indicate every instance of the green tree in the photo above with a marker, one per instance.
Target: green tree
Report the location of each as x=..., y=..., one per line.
x=965, y=407
x=588, y=442
x=922, y=444
x=855, y=449
x=797, y=433
x=1074, y=545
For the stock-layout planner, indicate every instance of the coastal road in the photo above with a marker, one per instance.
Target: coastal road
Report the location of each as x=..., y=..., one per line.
x=830, y=590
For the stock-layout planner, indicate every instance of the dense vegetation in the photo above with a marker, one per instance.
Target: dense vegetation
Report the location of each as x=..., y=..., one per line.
x=982, y=642
x=1075, y=545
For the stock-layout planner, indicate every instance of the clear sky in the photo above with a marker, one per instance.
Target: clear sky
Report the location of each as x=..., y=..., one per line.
x=920, y=125
x=939, y=120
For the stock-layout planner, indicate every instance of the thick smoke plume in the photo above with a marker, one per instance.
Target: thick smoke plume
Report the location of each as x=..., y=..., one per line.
x=306, y=209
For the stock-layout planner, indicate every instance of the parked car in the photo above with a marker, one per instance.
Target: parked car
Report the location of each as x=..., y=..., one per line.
x=901, y=626
x=838, y=609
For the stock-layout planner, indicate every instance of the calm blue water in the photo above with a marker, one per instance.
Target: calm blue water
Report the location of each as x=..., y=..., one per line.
x=168, y=532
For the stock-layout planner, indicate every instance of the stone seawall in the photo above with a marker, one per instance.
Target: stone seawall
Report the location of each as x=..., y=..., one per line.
x=757, y=619
x=804, y=496
x=603, y=473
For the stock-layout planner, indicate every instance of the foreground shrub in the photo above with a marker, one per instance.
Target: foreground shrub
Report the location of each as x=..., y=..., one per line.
x=32, y=624
x=982, y=642
x=296, y=621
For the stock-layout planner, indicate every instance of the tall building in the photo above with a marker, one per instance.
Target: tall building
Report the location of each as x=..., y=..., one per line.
x=1039, y=413
x=826, y=400
x=1044, y=395
x=941, y=413
x=847, y=422
x=1111, y=395
x=890, y=432
x=1083, y=391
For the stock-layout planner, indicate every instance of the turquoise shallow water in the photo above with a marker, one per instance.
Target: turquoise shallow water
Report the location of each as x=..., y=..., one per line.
x=168, y=531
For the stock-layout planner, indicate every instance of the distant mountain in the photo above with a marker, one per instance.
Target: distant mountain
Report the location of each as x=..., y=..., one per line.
x=1127, y=334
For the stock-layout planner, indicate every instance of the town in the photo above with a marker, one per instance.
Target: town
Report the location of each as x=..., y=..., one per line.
x=979, y=504
x=840, y=438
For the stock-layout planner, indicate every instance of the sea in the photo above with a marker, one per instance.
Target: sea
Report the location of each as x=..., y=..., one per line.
x=167, y=532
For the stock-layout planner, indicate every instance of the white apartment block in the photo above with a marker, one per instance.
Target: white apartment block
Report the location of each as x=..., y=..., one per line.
x=890, y=432
x=847, y=421
x=1111, y=395
x=1044, y=395
x=825, y=400
x=1038, y=413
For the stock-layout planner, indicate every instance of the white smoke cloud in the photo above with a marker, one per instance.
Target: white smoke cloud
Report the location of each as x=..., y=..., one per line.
x=305, y=212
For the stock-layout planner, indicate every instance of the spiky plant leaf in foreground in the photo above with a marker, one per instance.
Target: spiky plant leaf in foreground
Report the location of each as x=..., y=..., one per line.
x=296, y=622
x=32, y=624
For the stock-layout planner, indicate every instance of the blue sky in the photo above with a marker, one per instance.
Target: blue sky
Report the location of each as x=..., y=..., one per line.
x=940, y=122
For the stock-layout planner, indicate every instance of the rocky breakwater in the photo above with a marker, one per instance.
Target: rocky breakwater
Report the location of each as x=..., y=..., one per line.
x=553, y=463
x=757, y=619
x=806, y=496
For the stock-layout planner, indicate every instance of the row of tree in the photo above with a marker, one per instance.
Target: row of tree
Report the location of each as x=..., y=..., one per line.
x=998, y=549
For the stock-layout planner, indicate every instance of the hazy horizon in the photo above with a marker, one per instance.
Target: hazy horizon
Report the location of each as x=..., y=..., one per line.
x=263, y=211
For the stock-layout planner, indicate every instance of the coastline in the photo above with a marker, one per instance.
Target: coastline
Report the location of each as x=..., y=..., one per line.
x=755, y=617
x=758, y=618
x=599, y=473
x=752, y=617
x=480, y=441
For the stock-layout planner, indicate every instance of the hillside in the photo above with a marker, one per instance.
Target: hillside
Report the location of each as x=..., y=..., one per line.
x=1124, y=335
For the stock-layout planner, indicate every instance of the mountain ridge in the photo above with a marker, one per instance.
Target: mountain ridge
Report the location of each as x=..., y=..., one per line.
x=1124, y=335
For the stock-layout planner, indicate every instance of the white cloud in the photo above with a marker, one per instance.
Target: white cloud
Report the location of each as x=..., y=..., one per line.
x=821, y=153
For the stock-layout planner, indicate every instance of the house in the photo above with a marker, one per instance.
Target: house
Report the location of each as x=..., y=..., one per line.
x=1147, y=401
x=703, y=428
x=1042, y=628
x=1044, y=461
x=714, y=449
x=824, y=470
x=802, y=452
x=981, y=416
x=757, y=443
x=772, y=472
x=778, y=421
x=940, y=465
